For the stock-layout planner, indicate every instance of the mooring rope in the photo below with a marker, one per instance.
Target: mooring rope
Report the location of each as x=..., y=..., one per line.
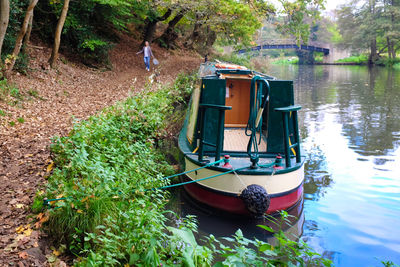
x=47, y=202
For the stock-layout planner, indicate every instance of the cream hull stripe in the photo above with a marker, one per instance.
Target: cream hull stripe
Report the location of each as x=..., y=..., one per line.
x=230, y=183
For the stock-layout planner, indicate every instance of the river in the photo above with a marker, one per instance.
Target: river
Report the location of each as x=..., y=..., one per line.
x=350, y=127
x=350, y=130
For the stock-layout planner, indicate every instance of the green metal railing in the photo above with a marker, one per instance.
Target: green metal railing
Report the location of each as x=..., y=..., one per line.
x=290, y=113
x=221, y=116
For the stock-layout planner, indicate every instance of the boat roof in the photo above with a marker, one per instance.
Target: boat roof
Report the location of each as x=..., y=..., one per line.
x=228, y=70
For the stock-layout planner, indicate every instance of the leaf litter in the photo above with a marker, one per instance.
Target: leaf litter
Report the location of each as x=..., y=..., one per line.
x=70, y=92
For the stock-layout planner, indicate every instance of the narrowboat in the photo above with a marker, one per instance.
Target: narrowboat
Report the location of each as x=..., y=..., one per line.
x=240, y=142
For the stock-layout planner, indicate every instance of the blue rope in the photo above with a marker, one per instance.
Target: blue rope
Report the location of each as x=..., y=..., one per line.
x=194, y=181
x=182, y=173
x=256, y=104
x=47, y=201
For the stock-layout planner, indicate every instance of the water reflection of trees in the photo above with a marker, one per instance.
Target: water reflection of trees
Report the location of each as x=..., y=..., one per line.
x=370, y=112
x=316, y=176
x=367, y=99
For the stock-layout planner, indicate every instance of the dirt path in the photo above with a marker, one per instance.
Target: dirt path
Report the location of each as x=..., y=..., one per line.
x=58, y=96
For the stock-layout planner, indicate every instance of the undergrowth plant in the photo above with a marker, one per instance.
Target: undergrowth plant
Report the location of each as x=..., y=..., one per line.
x=104, y=205
x=9, y=93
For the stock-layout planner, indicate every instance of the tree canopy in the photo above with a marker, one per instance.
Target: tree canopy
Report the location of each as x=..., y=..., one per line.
x=372, y=25
x=89, y=28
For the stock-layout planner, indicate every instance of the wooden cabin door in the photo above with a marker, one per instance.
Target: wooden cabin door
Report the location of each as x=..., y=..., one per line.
x=238, y=97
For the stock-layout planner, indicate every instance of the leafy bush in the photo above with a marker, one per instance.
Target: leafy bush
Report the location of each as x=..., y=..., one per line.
x=360, y=59
x=104, y=212
x=103, y=169
x=89, y=28
x=286, y=61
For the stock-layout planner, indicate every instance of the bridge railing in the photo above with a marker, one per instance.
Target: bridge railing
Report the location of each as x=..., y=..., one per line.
x=286, y=46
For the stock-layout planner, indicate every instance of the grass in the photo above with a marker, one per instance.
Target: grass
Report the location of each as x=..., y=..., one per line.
x=359, y=59
x=286, y=61
x=107, y=217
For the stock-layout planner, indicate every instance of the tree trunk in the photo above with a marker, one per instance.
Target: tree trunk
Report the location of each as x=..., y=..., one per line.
x=373, y=56
x=57, y=37
x=169, y=34
x=151, y=24
x=4, y=18
x=195, y=33
x=390, y=46
x=28, y=34
x=211, y=37
x=20, y=37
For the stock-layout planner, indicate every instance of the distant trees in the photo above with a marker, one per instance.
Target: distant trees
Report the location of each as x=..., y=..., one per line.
x=89, y=28
x=299, y=17
x=372, y=25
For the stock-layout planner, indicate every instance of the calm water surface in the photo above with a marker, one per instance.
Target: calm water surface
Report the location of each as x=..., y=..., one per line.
x=350, y=127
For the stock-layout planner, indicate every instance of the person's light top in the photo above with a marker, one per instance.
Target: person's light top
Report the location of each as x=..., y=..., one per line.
x=147, y=51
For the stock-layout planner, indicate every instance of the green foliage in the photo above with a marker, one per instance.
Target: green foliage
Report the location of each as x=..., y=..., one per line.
x=373, y=25
x=384, y=60
x=389, y=264
x=396, y=66
x=105, y=215
x=9, y=93
x=286, y=252
x=236, y=22
x=298, y=15
x=360, y=59
x=336, y=38
x=286, y=61
x=89, y=28
x=103, y=168
x=2, y=113
x=20, y=120
x=17, y=13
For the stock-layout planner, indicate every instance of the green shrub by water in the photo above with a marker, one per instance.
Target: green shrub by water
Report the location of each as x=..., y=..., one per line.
x=360, y=59
x=105, y=216
x=286, y=61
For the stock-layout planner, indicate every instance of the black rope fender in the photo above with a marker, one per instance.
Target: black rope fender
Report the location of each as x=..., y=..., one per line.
x=256, y=199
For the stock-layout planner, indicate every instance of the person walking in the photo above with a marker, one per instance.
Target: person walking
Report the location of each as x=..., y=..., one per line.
x=146, y=50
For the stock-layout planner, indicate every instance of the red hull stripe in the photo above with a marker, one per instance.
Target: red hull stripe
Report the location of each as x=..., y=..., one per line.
x=234, y=204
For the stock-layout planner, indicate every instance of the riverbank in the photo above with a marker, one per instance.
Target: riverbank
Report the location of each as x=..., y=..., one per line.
x=48, y=102
x=98, y=209
x=103, y=206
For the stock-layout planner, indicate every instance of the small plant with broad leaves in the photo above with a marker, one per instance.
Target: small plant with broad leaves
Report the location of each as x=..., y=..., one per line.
x=99, y=203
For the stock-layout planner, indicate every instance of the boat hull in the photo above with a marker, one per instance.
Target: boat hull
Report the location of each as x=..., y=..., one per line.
x=223, y=192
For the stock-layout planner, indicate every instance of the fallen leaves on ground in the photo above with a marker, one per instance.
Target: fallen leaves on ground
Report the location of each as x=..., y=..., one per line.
x=71, y=92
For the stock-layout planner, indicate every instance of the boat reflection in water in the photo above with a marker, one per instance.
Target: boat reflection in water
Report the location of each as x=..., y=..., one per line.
x=223, y=224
